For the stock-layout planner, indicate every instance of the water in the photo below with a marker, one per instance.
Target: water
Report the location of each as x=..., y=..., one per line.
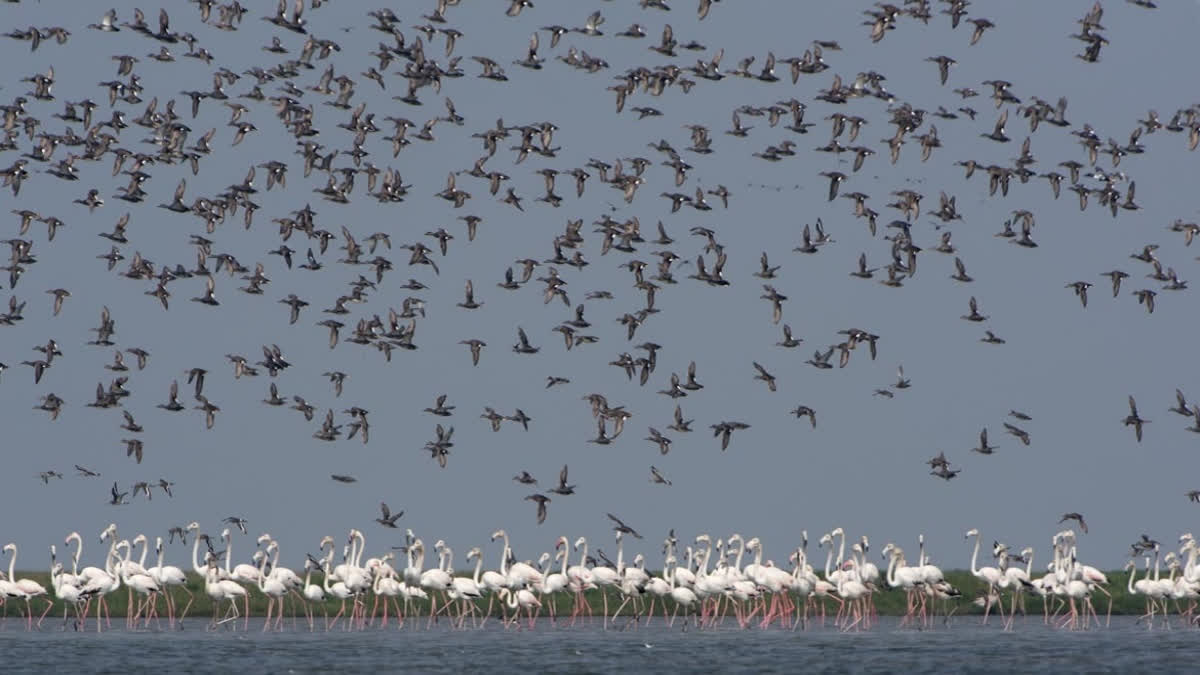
x=964, y=646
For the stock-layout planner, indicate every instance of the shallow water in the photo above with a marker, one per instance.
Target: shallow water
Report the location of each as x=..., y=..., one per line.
x=963, y=646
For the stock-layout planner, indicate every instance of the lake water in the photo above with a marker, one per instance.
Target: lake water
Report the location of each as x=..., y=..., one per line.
x=963, y=646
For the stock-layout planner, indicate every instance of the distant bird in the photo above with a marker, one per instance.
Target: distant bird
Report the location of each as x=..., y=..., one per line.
x=386, y=518
x=663, y=443
x=118, y=497
x=1018, y=432
x=1081, y=288
x=1078, y=517
x=1133, y=420
x=657, y=477
x=542, y=501
x=984, y=448
x=945, y=473
x=622, y=527
x=938, y=461
x=525, y=479
x=802, y=411
x=239, y=523
x=764, y=376
x=343, y=478
x=563, y=488
x=1181, y=405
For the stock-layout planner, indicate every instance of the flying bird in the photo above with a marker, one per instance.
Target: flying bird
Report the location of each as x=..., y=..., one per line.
x=386, y=518
x=1078, y=517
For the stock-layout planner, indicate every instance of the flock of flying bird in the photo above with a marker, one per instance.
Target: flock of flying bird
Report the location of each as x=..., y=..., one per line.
x=335, y=120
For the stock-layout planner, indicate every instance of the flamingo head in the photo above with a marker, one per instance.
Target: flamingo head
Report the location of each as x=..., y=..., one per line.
x=838, y=532
x=888, y=549
x=865, y=544
x=326, y=541
x=580, y=542
x=73, y=535
x=542, y=560
x=110, y=531
x=192, y=526
x=825, y=539
x=225, y=534
x=263, y=537
x=497, y=534
x=559, y=543
x=638, y=560
x=140, y=539
x=971, y=533
x=703, y=538
x=439, y=545
x=753, y=544
x=474, y=553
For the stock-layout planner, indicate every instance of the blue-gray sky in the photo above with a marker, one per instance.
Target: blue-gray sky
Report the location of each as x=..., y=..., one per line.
x=861, y=468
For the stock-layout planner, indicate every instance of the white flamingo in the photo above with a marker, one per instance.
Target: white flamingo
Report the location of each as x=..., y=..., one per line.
x=27, y=588
x=139, y=582
x=168, y=576
x=273, y=588
x=313, y=594
x=989, y=575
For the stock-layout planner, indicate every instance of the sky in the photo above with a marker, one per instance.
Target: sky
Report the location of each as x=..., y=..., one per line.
x=862, y=468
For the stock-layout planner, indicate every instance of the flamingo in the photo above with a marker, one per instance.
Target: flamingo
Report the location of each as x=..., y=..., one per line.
x=492, y=581
x=467, y=589
x=853, y=590
x=337, y=589
x=518, y=600
x=1018, y=579
x=519, y=574
x=385, y=586
x=139, y=582
x=271, y=587
x=65, y=589
x=556, y=582
x=27, y=588
x=242, y=573
x=990, y=575
x=683, y=597
x=219, y=589
x=312, y=594
x=167, y=576
x=803, y=583
x=900, y=575
x=437, y=579
x=93, y=581
x=606, y=577
x=580, y=578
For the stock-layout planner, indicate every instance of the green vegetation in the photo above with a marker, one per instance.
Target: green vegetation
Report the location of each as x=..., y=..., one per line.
x=888, y=603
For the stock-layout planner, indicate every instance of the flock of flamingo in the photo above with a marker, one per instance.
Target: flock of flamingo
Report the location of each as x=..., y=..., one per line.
x=711, y=584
